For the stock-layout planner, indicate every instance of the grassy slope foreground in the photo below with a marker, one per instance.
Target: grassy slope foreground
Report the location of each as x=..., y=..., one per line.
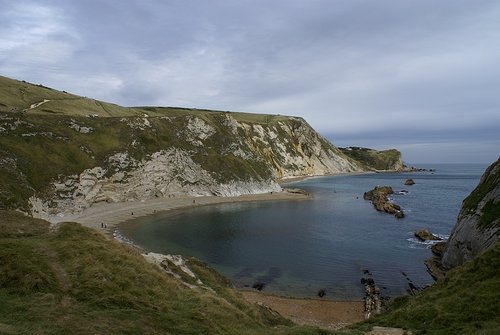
x=73, y=280
x=466, y=302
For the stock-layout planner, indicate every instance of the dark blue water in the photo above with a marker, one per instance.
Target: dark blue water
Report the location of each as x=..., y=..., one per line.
x=298, y=247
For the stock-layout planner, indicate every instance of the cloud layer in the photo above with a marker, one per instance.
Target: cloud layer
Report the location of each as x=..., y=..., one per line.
x=405, y=74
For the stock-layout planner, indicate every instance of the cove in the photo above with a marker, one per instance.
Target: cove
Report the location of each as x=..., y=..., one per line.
x=297, y=248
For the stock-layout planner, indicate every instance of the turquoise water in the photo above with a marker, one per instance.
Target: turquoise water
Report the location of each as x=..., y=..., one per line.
x=299, y=247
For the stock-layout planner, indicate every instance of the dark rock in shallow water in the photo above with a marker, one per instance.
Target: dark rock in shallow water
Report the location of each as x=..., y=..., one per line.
x=258, y=286
x=321, y=293
x=373, y=301
x=425, y=235
x=378, y=197
x=409, y=182
x=399, y=214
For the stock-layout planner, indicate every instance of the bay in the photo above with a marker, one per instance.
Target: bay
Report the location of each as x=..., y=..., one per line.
x=327, y=242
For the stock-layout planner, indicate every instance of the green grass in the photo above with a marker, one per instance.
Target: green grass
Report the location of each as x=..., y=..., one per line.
x=466, y=302
x=373, y=159
x=76, y=281
x=16, y=96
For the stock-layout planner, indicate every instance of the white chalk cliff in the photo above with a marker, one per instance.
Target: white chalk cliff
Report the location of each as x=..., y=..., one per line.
x=210, y=156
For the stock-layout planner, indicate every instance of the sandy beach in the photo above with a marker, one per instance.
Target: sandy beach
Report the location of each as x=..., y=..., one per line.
x=326, y=314
x=111, y=214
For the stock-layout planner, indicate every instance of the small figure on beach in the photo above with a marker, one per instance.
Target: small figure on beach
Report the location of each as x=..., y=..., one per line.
x=131, y=213
x=194, y=201
x=102, y=224
x=105, y=226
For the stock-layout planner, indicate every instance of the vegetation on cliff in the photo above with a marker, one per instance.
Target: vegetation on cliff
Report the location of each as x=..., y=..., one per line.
x=375, y=159
x=490, y=212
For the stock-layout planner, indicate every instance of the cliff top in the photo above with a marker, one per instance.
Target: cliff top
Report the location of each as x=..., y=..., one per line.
x=22, y=96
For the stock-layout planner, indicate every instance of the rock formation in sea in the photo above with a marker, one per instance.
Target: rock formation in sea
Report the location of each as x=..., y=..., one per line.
x=425, y=235
x=379, y=199
x=409, y=182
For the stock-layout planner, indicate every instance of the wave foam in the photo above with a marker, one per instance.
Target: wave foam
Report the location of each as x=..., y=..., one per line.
x=415, y=243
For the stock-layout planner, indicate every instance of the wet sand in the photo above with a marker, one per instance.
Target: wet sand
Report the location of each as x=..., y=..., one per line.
x=326, y=314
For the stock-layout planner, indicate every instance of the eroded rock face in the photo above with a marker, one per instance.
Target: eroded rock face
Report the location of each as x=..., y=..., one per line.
x=478, y=223
x=165, y=173
x=260, y=154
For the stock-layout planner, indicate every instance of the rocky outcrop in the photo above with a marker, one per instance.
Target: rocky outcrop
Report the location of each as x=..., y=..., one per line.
x=379, y=199
x=372, y=299
x=409, y=182
x=425, y=235
x=478, y=223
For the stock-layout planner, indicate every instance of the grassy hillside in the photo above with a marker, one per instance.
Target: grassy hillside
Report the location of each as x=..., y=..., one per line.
x=19, y=96
x=466, y=302
x=76, y=281
x=374, y=159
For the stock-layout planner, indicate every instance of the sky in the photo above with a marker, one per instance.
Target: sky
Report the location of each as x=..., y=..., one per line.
x=420, y=76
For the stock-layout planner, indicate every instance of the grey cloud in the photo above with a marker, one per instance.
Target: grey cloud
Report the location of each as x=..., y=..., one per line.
x=348, y=67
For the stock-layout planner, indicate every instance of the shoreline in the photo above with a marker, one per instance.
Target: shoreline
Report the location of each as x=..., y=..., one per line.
x=114, y=214
x=290, y=180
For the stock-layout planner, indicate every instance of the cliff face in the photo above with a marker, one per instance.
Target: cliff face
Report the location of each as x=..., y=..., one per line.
x=478, y=224
x=213, y=155
x=61, y=153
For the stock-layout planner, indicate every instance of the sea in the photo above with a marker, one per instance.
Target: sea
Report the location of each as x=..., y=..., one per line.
x=328, y=242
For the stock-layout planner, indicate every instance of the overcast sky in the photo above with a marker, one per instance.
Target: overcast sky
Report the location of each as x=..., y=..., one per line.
x=420, y=76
